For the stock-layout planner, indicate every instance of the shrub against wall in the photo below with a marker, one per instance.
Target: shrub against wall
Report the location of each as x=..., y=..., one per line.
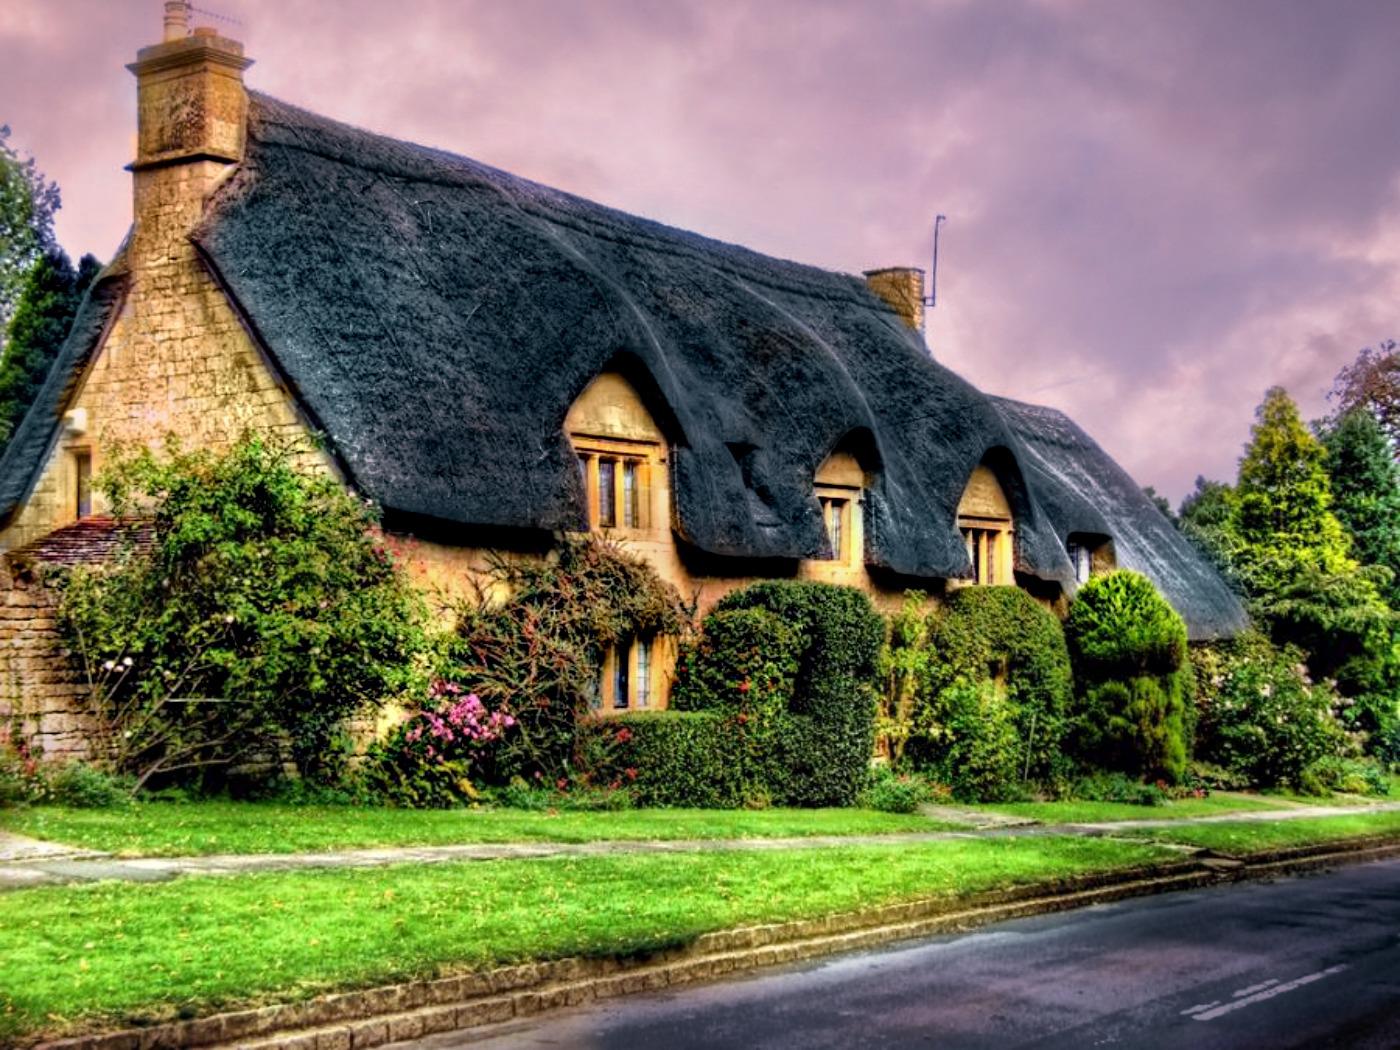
x=536, y=653
x=993, y=709
x=266, y=610
x=821, y=747
x=676, y=758
x=1133, y=679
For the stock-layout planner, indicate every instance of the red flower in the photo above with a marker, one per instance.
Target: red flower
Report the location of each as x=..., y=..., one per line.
x=631, y=773
x=562, y=783
x=744, y=686
x=623, y=735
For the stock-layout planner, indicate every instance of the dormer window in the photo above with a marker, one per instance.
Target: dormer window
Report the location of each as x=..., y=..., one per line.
x=1079, y=558
x=836, y=516
x=1090, y=555
x=621, y=456
x=984, y=519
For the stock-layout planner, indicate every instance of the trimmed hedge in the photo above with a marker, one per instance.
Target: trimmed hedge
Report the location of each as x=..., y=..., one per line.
x=999, y=683
x=704, y=759
x=1135, y=685
x=821, y=748
x=744, y=660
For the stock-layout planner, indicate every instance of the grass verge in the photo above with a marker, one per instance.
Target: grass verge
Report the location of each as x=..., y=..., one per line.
x=167, y=829
x=112, y=954
x=1252, y=838
x=1075, y=812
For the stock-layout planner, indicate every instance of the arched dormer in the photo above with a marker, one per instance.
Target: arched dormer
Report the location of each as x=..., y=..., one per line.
x=988, y=528
x=839, y=485
x=621, y=455
x=1091, y=554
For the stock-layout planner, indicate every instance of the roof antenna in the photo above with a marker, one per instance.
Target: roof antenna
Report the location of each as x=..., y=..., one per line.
x=931, y=300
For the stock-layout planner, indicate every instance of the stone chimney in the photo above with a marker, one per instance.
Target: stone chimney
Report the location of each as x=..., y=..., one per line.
x=192, y=111
x=903, y=288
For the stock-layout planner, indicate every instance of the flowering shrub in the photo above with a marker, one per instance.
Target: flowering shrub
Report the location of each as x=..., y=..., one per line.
x=25, y=777
x=1260, y=715
x=427, y=759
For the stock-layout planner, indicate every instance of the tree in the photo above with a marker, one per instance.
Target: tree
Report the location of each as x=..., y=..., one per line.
x=1208, y=517
x=43, y=315
x=1372, y=383
x=1366, y=491
x=27, y=203
x=1161, y=503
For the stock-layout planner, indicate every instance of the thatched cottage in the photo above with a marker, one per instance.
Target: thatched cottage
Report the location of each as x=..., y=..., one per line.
x=495, y=362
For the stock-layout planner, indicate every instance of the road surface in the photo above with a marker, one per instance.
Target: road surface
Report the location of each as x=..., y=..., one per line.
x=1302, y=962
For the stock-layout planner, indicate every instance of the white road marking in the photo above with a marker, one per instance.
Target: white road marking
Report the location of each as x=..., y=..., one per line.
x=1254, y=988
x=1199, y=1007
x=1268, y=993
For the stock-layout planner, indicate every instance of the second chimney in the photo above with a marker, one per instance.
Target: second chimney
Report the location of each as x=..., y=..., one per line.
x=903, y=288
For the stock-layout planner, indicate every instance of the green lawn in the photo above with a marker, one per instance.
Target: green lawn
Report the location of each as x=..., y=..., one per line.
x=117, y=953
x=1245, y=838
x=1101, y=812
x=168, y=829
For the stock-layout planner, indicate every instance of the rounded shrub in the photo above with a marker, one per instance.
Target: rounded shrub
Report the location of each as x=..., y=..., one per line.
x=1134, y=684
x=821, y=747
x=1012, y=649
x=744, y=660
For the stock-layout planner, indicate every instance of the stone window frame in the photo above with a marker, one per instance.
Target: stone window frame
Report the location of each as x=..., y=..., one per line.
x=633, y=464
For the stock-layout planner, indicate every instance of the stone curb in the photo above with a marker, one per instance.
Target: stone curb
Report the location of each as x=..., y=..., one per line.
x=379, y=1016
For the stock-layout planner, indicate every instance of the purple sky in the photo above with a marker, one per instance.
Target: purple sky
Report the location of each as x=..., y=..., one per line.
x=1155, y=210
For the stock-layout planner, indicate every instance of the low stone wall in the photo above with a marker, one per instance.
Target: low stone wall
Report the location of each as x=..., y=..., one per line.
x=42, y=689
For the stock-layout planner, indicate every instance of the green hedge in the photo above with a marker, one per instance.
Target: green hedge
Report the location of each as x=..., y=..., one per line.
x=820, y=750
x=705, y=759
x=1134, y=683
x=743, y=660
x=994, y=709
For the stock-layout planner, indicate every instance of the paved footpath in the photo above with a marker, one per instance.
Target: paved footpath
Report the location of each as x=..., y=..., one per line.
x=28, y=862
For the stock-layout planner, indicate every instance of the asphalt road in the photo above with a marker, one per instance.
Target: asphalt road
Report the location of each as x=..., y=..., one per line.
x=1302, y=962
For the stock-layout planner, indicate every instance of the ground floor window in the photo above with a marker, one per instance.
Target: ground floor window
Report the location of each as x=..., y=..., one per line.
x=629, y=676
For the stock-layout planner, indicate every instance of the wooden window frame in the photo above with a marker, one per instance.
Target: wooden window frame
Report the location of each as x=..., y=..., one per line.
x=632, y=466
x=989, y=547
x=841, y=500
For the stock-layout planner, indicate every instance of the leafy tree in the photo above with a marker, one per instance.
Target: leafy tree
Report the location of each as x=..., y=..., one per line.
x=50, y=298
x=27, y=203
x=1372, y=383
x=1366, y=492
x=1284, y=516
x=1208, y=517
x=264, y=612
x=1161, y=503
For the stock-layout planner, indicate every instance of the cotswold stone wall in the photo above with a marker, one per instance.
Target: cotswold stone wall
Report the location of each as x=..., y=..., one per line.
x=42, y=690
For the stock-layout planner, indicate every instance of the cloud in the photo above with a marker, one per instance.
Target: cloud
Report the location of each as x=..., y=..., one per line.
x=1156, y=211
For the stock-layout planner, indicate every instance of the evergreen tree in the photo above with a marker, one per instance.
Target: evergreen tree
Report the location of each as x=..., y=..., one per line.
x=1208, y=519
x=43, y=315
x=1366, y=492
x=27, y=203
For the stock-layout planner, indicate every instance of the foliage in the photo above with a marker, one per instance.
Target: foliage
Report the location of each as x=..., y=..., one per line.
x=745, y=660
x=1117, y=787
x=550, y=799
x=823, y=745
x=998, y=680
x=26, y=778
x=905, y=664
x=427, y=759
x=891, y=792
x=1366, y=492
x=1372, y=383
x=1128, y=648
x=703, y=759
x=1161, y=503
x=27, y=203
x=1353, y=776
x=43, y=314
x=1259, y=713
x=265, y=611
x=536, y=653
x=1209, y=518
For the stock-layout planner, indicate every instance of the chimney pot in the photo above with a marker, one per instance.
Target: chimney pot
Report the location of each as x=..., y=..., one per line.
x=177, y=20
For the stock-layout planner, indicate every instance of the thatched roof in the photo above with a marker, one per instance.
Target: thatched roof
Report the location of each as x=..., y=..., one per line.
x=437, y=318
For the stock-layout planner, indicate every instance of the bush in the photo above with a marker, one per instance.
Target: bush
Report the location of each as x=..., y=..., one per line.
x=1003, y=643
x=23, y=777
x=536, y=655
x=1260, y=715
x=704, y=759
x=264, y=614
x=428, y=759
x=744, y=660
x=821, y=748
x=1134, y=683
x=1353, y=776
x=85, y=786
x=1116, y=787
x=892, y=792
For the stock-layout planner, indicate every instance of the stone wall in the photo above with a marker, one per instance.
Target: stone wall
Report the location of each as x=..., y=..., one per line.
x=42, y=690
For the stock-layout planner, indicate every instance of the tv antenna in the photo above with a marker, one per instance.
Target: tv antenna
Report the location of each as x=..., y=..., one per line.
x=931, y=300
